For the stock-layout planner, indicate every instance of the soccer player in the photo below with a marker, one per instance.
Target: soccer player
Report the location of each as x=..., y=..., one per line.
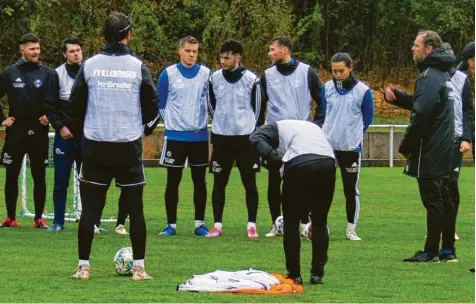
x=288, y=87
x=182, y=90
x=463, y=103
x=235, y=104
x=69, y=133
x=467, y=66
x=29, y=85
x=114, y=95
x=428, y=143
x=350, y=110
x=301, y=152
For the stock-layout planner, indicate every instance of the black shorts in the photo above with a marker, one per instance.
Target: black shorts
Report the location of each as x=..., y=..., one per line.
x=101, y=175
x=456, y=160
x=224, y=156
x=175, y=153
x=33, y=143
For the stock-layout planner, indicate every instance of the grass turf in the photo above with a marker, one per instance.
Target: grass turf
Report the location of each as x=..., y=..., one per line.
x=37, y=264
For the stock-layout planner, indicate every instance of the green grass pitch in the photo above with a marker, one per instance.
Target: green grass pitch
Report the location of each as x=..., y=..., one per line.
x=36, y=265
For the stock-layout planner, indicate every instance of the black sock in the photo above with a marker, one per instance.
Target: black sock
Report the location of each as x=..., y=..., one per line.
x=218, y=196
x=174, y=176
x=199, y=191
x=133, y=203
x=11, y=189
x=249, y=182
x=122, y=212
x=39, y=189
x=93, y=199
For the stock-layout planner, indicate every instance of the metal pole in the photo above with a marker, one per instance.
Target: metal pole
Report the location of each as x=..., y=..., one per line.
x=391, y=146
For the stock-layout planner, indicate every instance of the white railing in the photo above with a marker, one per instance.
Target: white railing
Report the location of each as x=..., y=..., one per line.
x=390, y=139
x=74, y=216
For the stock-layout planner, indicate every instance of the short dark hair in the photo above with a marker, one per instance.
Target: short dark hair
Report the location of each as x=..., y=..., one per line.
x=187, y=39
x=232, y=45
x=430, y=38
x=342, y=57
x=116, y=27
x=70, y=40
x=283, y=41
x=27, y=38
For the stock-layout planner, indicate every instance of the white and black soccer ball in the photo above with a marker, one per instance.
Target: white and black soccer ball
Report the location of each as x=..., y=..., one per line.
x=279, y=224
x=123, y=261
x=308, y=231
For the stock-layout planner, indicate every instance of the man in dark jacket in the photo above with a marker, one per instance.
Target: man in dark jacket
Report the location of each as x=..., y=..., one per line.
x=467, y=66
x=428, y=142
x=29, y=85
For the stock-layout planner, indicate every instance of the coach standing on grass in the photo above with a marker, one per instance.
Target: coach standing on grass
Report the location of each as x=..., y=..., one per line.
x=115, y=97
x=309, y=174
x=289, y=87
x=29, y=85
x=428, y=142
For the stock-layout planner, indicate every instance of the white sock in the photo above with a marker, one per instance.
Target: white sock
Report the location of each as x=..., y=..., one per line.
x=351, y=226
x=173, y=226
x=251, y=224
x=199, y=223
x=218, y=225
x=83, y=262
x=138, y=263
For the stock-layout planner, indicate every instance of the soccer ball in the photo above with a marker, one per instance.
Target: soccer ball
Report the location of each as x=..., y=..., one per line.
x=123, y=261
x=279, y=224
x=308, y=231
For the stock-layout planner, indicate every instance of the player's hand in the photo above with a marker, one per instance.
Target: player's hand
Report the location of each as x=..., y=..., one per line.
x=390, y=94
x=65, y=133
x=464, y=146
x=8, y=122
x=44, y=120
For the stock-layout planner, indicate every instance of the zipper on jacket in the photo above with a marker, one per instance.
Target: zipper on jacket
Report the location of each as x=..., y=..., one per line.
x=419, y=157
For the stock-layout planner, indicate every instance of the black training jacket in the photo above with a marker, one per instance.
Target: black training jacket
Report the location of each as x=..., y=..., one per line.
x=428, y=140
x=29, y=87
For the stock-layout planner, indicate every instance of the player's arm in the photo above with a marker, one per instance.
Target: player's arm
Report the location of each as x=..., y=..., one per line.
x=3, y=91
x=316, y=89
x=257, y=103
x=426, y=96
x=468, y=111
x=162, y=93
x=266, y=141
x=403, y=99
x=212, y=101
x=52, y=104
x=79, y=96
x=367, y=109
x=264, y=100
x=148, y=102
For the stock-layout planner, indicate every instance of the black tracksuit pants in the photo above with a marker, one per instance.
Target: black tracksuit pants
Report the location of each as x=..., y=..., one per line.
x=440, y=214
x=349, y=164
x=274, y=196
x=308, y=186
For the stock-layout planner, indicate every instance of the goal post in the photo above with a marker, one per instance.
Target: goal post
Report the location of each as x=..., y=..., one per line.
x=73, y=199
